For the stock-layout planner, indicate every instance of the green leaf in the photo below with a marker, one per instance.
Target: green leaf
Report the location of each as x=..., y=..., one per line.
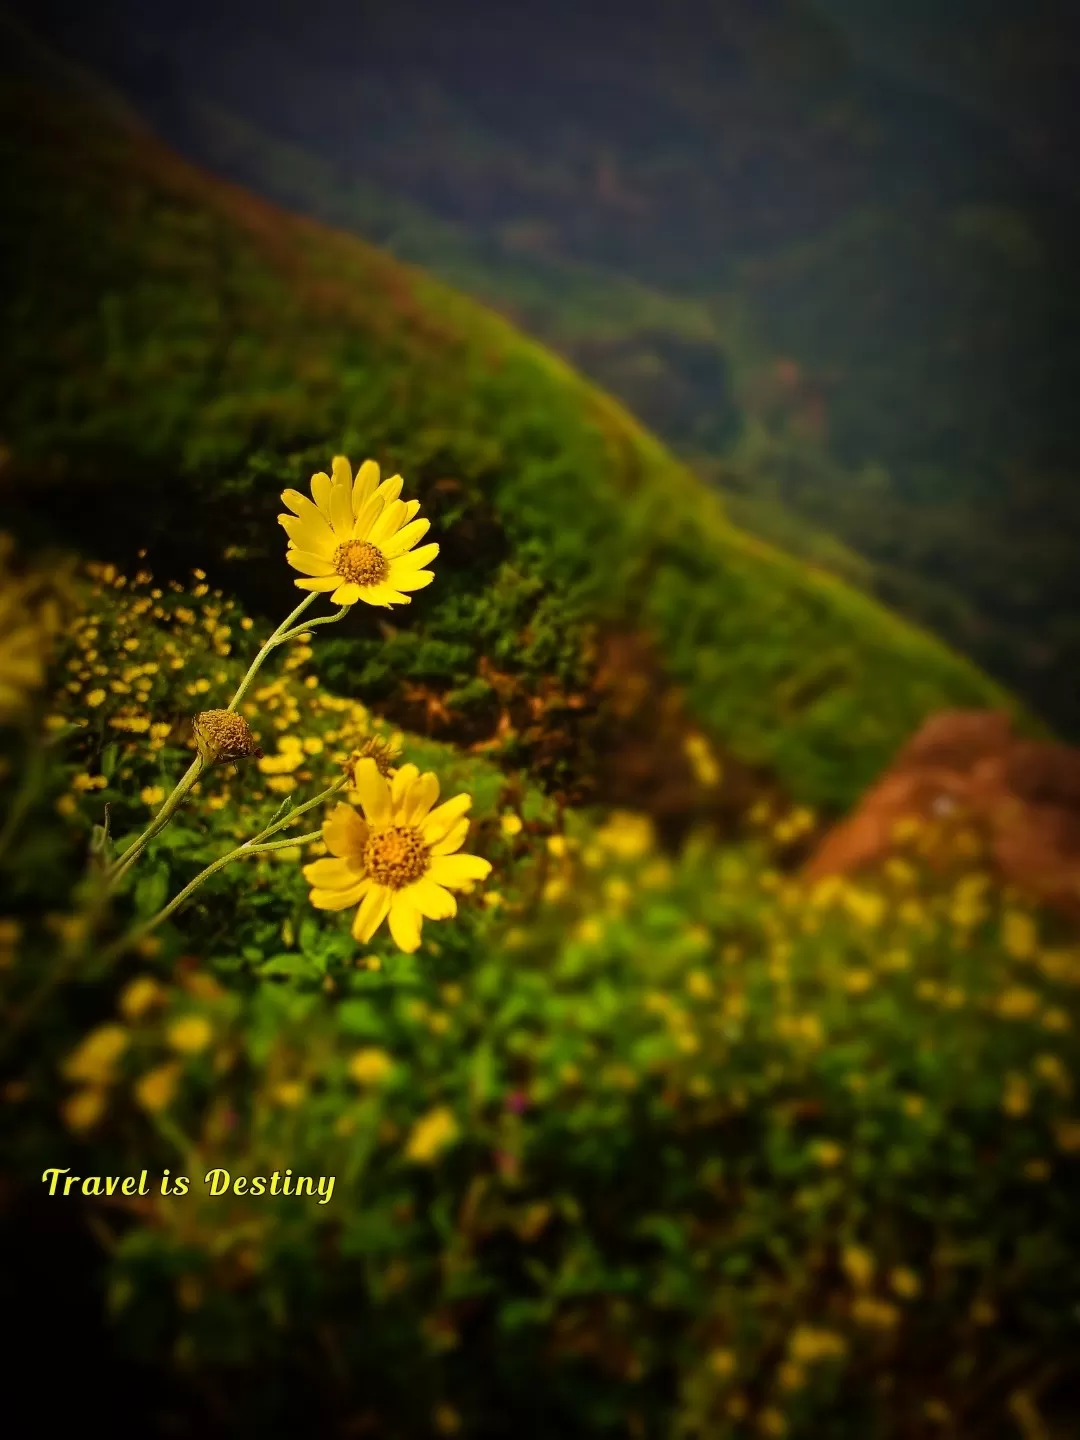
x=299, y=967
x=109, y=757
x=152, y=890
x=360, y=1017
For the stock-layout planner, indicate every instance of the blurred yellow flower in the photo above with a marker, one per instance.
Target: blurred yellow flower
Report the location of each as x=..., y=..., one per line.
x=1067, y=1136
x=152, y=794
x=511, y=824
x=1019, y=935
x=155, y=1090
x=289, y=1093
x=370, y=1066
x=904, y=1282
x=808, y=1345
x=95, y=1059
x=355, y=539
x=1016, y=1095
x=190, y=1034
x=25, y=628
x=1017, y=1003
x=431, y=1135
x=707, y=770
x=627, y=835
x=84, y=1109
x=140, y=995
x=722, y=1363
x=874, y=1314
x=858, y=1264
x=399, y=861
x=828, y=1153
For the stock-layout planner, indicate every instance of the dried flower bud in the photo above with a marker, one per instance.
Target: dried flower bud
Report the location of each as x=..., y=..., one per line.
x=383, y=752
x=223, y=735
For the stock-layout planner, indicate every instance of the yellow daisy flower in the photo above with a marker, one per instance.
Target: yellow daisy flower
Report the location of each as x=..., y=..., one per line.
x=355, y=538
x=398, y=860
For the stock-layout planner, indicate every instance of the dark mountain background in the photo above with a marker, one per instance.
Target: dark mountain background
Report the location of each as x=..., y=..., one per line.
x=827, y=250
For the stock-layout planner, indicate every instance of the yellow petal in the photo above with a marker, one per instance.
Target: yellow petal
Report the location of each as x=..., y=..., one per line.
x=452, y=840
x=302, y=506
x=439, y=822
x=308, y=562
x=308, y=534
x=373, y=910
x=346, y=594
x=429, y=899
x=341, y=471
x=365, y=485
x=401, y=784
x=366, y=516
x=382, y=595
x=405, y=538
x=341, y=513
x=458, y=870
x=412, y=559
x=388, y=523
x=416, y=581
x=331, y=874
x=344, y=833
x=390, y=489
x=321, y=582
x=405, y=925
x=340, y=899
x=420, y=799
x=374, y=793
x=321, y=485
x=411, y=508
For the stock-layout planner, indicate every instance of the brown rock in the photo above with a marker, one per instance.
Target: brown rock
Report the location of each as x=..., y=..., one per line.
x=1022, y=795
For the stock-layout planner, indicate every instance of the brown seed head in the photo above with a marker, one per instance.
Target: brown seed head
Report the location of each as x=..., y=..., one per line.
x=223, y=735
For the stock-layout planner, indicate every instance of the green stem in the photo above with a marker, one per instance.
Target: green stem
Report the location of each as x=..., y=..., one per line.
x=160, y=820
x=277, y=638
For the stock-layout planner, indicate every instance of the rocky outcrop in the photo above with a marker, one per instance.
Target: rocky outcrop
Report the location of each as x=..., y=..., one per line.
x=1023, y=795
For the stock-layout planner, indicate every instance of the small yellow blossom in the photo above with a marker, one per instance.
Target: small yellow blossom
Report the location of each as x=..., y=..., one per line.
x=95, y=697
x=828, y=1153
x=370, y=1066
x=874, y=1314
x=722, y=1363
x=152, y=794
x=95, y=1059
x=1016, y=1095
x=431, y=1134
x=511, y=824
x=1067, y=1136
x=808, y=1345
x=904, y=1282
x=858, y=1265
x=1017, y=1003
x=289, y=1093
x=140, y=995
x=190, y=1034
x=1019, y=935
x=84, y=1109
x=156, y=1089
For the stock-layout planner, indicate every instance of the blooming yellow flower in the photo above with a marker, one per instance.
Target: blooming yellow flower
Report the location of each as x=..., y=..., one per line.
x=155, y=1090
x=399, y=861
x=190, y=1034
x=370, y=1065
x=355, y=538
x=84, y=1109
x=140, y=995
x=432, y=1133
x=96, y=1057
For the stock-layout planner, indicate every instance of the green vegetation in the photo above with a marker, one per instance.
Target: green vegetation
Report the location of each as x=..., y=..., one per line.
x=176, y=353
x=643, y=1142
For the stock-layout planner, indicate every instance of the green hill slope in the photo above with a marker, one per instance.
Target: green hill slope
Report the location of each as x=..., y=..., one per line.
x=177, y=352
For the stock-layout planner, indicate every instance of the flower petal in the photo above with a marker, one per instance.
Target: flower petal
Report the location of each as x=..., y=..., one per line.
x=344, y=833
x=390, y=489
x=439, y=822
x=321, y=485
x=366, y=516
x=365, y=484
x=401, y=784
x=452, y=840
x=308, y=562
x=331, y=874
x=411, y=509
x=321, y=582
x=346, y=594
x=341, y=513
x=388, y=523
x=340, y=899
x=405, y=924
x=374, y=793
x=373, y=910
x=430, y=899
x=416, y=581
x=420, y=799
x=383, y=595
x=302, y=506
x=341, y=471
x=405, y=538
x=458, y=870
x=413, y=559
x=309, y=534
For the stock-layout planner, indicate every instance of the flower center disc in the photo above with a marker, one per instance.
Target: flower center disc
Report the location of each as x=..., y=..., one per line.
x=360, y=562
x=396, y=857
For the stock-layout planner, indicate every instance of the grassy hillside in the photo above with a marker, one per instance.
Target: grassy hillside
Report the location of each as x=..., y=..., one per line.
x=177, y=352
x=828, y=244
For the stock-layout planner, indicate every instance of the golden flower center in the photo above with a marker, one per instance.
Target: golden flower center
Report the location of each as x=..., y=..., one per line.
x=396, y=857
x=360, y=562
